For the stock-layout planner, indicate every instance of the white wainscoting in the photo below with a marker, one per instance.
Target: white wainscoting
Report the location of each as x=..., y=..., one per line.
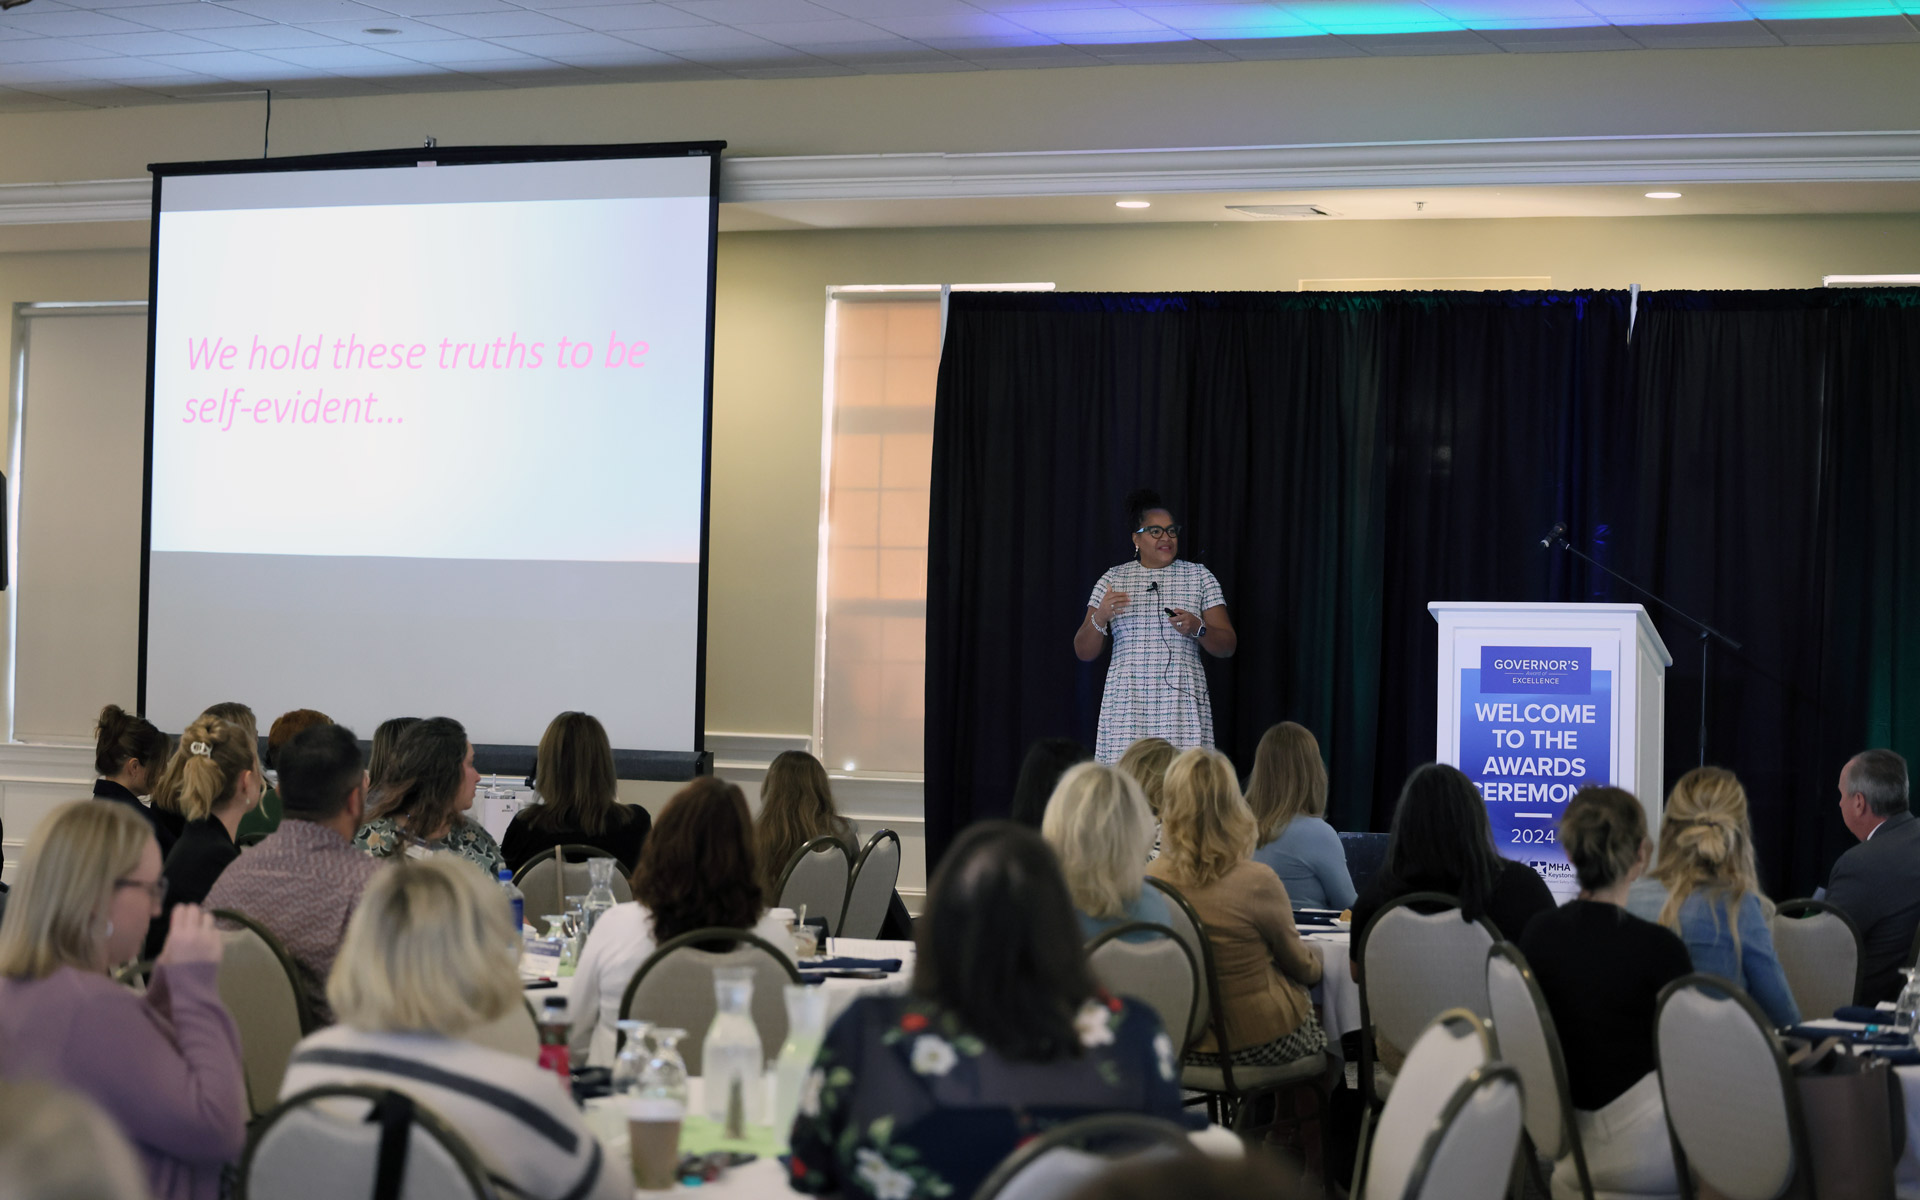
x=33, y=780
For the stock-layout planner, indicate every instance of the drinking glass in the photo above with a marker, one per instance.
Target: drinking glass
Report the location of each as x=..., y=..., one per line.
x=632, y=1060
x=666, y=1072
x=1906, y=1010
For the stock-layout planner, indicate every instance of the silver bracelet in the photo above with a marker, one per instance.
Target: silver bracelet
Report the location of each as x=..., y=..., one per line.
x=1096, y=625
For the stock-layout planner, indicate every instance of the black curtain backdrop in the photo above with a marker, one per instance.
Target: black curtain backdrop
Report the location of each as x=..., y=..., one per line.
x=1340, y=460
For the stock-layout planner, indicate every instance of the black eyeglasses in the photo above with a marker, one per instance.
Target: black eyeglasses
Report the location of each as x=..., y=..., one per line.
x=1159, y=531
x=157, y=890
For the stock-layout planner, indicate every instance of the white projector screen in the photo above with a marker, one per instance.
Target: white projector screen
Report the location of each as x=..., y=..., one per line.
x=431, y=439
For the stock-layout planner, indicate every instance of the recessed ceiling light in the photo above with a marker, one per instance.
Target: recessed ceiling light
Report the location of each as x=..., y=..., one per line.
x=1133, y=204
x=378, y=29
x=1663, y=195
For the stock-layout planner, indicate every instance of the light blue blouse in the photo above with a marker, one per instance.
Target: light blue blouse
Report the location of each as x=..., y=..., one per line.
x=1703, y=927
x=1308, y=858
x=1151, y=907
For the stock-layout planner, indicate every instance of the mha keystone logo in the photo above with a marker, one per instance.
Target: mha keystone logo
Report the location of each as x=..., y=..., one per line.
x=1535, y=727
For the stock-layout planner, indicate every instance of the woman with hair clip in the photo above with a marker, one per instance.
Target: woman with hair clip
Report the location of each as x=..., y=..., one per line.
x=215, y=779
x=1601, y=970
x=421, y=807
x=1707, y=889
x=164, y=1065
x=129, y=753
x=167, y=808
x=1005, y=1034
x=1288, y=796
x=579, y=798
x=1160, y=612
x=696, y=871
x=796, y=806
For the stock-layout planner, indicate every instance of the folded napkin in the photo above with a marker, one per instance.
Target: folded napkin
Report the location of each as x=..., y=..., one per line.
x=1862, y=1014
x=890, y=965
x=1858, y=1037
x=1304, y=916
x=1908, y=1057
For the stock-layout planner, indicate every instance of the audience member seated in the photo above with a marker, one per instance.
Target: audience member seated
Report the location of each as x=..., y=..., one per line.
x=1707, y=890
x=1047, y=760
x=1601, y=970
x=424, y=962
x=380, y=758
x=1099, y=825
x=579, y=798
x=166, y=800
x=796, y=806
x=304, y=880
x=214, y=778
x=1005, y=1034
x=1263, y=968
x=129, y=754
x=1877, y=883
x=57, y=1145
x=266, y=818
x=696, y=871
x=1147, y=761
x=164, y=1065
x=1441, y=842
x=420, y=808
x=1288, y=796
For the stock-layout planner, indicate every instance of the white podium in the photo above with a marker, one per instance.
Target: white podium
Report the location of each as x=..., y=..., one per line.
x=1537, y=700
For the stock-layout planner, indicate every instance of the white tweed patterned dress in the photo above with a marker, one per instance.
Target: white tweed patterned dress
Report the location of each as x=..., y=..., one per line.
x=1156, y=686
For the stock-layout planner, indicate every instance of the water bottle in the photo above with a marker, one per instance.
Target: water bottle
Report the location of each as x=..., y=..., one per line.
x=806, y=1028
x=733, y=1062
x=600, y=896
x=515, y=900
x=555, y=1055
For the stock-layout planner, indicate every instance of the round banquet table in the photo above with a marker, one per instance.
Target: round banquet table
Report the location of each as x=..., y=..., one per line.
x=1337, y=994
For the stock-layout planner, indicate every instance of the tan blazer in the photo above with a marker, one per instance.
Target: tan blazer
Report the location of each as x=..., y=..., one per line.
x=1263, y=967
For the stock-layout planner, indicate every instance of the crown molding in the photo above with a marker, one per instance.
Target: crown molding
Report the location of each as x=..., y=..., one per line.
x=1869, y=156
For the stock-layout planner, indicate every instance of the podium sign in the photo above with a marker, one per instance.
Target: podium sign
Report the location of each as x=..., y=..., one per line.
x=1539, y=700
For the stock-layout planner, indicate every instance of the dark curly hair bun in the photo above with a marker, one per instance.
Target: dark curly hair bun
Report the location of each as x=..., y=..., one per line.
x=1142, y=502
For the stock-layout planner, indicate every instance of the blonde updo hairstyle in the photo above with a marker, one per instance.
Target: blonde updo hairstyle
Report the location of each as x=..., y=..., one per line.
x=1602, y=832
x=66, y=884
x=1147, y=761
x=1707, y=845
x=429, y=950
x=203, y=776
x=1206, y=827
x=1100, y=829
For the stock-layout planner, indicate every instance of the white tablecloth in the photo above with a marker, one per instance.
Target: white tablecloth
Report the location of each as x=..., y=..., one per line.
x=1337, y=994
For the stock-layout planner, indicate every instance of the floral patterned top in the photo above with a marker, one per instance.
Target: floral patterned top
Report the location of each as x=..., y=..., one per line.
x=468, y=838
x=904, y=1102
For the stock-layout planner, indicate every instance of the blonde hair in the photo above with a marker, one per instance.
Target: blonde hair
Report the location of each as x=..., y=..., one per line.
x=1707, y=845
x=431, y=949
x=1146, y=760
x=67, y=879
x=198, y=783
x=1206, y=827
x=1288, y=779
x=58, y=1145
x=1100, y=828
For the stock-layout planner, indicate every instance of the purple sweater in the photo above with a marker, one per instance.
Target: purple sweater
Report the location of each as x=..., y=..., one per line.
x=165, y=1066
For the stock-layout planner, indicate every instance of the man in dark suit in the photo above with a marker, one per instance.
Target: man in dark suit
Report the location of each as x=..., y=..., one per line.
x=1877, y=883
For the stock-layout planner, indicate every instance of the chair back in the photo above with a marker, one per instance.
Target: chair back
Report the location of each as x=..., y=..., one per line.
x=1415, y=966
x=817, y=876
x=1054, y=1163
x=515, y=1032
x=674, y=987
x=1732, y=1106
x=549, y=877
x=1531, y=1046
x=1471, y=1151
x=252, y=838
x=1364, y=852
x=1819, y=949
x=1158, y=969
x=261, y=988
x=1445, y=1056
x=331, y=1143
x=871, y=890
x=1185, y=924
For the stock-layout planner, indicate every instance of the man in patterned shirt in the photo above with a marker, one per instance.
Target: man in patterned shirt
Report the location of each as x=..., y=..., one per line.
x=304, y=880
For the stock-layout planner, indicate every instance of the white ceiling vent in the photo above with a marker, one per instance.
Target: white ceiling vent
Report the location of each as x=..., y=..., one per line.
x=1281, y=212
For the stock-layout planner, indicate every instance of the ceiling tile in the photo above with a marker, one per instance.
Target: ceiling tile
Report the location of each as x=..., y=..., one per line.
x=70, y=22
x=1163, y=52
x=180, y=17
x=898, y=50
x=819, y=71
x=308, y=12
x=614, y=18
x=563, y=47
x=952, y=25
x=461, y=50
x=264, y=37
x=1845, y=33
x=1665, y=12
x=742, y=12
x=697, y=37
x=342, y=60
x=1228, y=20
x=152, y=42
x=514, y=23
x=1273, y=49
x=403, y=29
x=236, y=65
x=12, y=33
x=47, y=50
x=1017, y=6
x=627, y=58
x=429, y=8
x=678, y=70
x=1702, y=34
x=817, y=33
x=1073, y=22
x=1458, y=41
x=879, y=11
x=25, y=74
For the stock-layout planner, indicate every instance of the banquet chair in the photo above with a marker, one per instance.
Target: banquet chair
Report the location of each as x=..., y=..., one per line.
x=1058, y=1161
x=343, y=1142
x=1185, y=924
x=262, y=989
x=515, y=1032
x=1445, y=1068
x=1414, y=966
x=1819, y=949
x=549, y=877
x=1529, y=1042
x=871, y=890
x=674, y=987
x=1159, y=971
x=1732, y=1107
x=817, y=877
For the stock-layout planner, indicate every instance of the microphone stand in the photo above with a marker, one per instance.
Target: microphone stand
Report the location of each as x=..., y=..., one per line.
x=1708, y=634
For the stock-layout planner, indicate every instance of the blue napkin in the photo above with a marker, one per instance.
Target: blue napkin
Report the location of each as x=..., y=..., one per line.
x=1858, y=1037
x=890, y=965
x=1862, y=1014
x=1908, y=1057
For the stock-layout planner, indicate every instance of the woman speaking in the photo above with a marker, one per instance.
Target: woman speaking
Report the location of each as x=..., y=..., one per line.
x=1159, y=612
